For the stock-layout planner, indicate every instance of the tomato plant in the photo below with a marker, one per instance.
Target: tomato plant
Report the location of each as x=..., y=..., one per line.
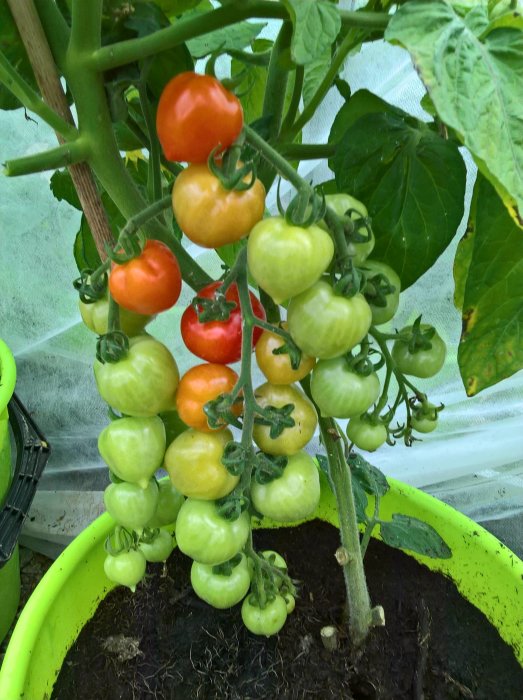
x=397, y=192
x=149, y=283
x=193, y=461
x=199, y=385
x=196, y=114
x=210, y=215
x=218, y=341
x=221, y=589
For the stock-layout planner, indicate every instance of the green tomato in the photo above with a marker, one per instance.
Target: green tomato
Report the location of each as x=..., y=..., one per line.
x=292, y=439
x=264, y=621
x=205, y=536
x=341, y=203
x=339, y=391
x=326, y=325
x=126, y=568
x=381, y=314
x=169, y=503
x=294, y=495
x=95, y=318
x=424, y=419
x=284, y=259
x=219, y=590
x=133, y=448
x=143, y=383
x=290, y=602
x=130, y=505
x=423, y=363
x=159, y=549
x=365, y=435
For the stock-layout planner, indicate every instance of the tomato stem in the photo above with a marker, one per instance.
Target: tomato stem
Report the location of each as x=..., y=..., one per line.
x=60, y=157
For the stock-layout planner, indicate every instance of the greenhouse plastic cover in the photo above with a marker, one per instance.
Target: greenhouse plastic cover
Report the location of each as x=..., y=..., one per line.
x=474, y=461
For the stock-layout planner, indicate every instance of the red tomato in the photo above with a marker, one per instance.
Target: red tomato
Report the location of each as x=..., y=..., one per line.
x=218, y=341
x=149, y=283
x=199, y=385
x=195, y=115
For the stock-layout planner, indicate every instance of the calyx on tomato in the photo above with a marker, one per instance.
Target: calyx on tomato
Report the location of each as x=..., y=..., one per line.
x=284, y=259
x=345, y=205
x=422, y=353
x=340, y=391
x=200, y=385
x=382, y=290
x=276, y=365
x=208, y=214
x=218, y=341
x=366, y=433
x=221, y=590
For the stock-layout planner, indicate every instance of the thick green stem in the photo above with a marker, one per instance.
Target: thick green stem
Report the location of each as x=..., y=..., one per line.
x=60, y=157
x=132, y=50
x=55, y=27
x=294, y=104
x=358, y=600
x=32, y=101
x=277, y=77
x=154, y=182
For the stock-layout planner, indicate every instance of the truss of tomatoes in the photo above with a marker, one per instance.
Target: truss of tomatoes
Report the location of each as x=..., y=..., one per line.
x=163, y=420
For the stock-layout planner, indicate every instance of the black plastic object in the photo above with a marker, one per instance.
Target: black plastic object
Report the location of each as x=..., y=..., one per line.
x=32, y=453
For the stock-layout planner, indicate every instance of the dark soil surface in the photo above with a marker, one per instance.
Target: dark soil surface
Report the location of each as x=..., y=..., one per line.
x=163, y=642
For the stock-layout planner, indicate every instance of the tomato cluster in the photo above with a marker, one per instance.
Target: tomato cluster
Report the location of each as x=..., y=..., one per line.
x=184, y=425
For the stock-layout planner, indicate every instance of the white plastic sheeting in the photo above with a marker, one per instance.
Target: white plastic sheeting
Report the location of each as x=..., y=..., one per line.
x=474, y=460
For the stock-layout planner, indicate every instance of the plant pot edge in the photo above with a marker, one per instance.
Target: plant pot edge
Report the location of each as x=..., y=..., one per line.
x=26, y=671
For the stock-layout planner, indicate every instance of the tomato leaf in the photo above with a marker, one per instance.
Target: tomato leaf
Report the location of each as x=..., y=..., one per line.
x=316, y=26
x=490, y=348
x=412, y=182
x=473, y=72
x=405, y=532
x=63, y=189
x=236, y=36
x=360, y=500
x=314, y=73
x=370, y=478
x=464, y=254
x=12, y=47
x=252, y=88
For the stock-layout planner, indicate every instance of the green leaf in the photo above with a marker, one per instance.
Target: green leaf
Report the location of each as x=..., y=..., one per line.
x=360, y=500
x=474, y=75
x=166, y=65
x=405, y=532
x=229, y=252
x=412, y=182
x=11, y=45
x=84, y=249
x=316, y=26
x=464, y=254
x=361, y=103
x=252, y=88
x=62, y=187
x=490, y=347
x=237, y=36
x=371, y=479
x=314, y=73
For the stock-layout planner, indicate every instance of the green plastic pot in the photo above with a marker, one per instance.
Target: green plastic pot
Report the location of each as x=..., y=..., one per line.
x=484, y=571
x=10, y=572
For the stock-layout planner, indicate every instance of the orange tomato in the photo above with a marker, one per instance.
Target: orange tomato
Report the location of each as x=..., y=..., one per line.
x=199, y=385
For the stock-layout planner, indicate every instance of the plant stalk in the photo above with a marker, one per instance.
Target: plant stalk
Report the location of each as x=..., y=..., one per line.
x=60, y=157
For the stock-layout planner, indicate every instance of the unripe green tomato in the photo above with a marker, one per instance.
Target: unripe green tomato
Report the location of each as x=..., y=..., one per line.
x=205, y=536
x=424, y=423
x=423, y=363
x=264, y=621
x=285, y=259
x=159, y=549
x=294, y=495
x=324, y=324
x=382, y=314
x=339, y=391
x=95, y=316
x=292, y=439
x=169, y=503
x=131, y=506
x=365, y=435
x=219, y=590
x=290, y=602
x=126, y=568
x=133, y=448
x=341, y=203
x=143, y=383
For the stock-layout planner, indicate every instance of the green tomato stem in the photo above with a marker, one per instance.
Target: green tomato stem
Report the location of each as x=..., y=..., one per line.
x=277, y=77
x=60, y=157
x=55, y=27
x=295, y=99
x=32, y=101
x=154, y=180
x=358, y=600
